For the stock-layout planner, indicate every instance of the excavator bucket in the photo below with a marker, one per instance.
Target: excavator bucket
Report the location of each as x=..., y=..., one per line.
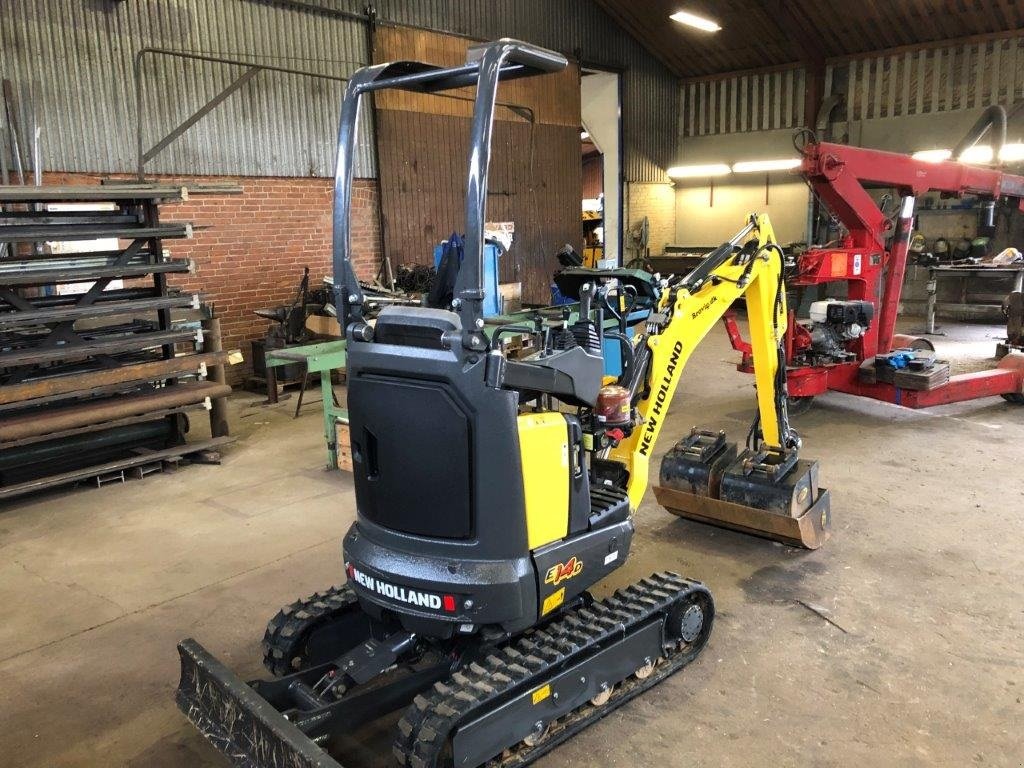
x=766, y=493
x=237, y=720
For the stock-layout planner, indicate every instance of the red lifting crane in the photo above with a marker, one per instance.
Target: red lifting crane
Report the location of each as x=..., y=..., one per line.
x=844, y=336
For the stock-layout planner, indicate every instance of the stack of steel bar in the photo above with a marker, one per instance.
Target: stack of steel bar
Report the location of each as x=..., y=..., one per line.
x=100, y=360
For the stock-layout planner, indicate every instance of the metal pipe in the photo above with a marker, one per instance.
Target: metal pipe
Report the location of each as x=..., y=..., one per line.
x=893, y=279
x=5, y=176
x=218, y=405
x=137, y=77
x=88, y=444
x=85, y=414
x=37, y=174
x=993, y=117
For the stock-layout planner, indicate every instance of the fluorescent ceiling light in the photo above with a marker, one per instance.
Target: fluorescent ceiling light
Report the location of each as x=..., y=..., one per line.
x=933, y=155
x=693, y=20
x=1012, y=153
x=979, y=153
x=698, y=171
x=754, y=166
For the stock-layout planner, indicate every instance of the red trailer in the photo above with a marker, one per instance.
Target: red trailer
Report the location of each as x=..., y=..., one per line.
x=828, y=352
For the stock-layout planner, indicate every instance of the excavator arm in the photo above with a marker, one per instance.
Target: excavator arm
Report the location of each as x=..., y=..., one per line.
x=687, y=312
x=764, y=488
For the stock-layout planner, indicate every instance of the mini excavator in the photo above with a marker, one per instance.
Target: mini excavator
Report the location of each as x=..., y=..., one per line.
x=493, y=493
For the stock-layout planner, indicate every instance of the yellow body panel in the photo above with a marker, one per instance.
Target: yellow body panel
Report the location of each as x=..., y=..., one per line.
x=544, y=450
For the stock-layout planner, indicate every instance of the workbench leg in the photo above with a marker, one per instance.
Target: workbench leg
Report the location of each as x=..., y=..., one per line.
x=330, y=423
x=271, y=385
x=302, y=391
x=932, y=288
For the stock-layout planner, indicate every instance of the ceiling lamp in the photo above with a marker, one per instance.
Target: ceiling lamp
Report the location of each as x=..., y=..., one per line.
x=695, y=21
x=979, y=153
x=1012, y=153
x=698, y=171
x=764, y=166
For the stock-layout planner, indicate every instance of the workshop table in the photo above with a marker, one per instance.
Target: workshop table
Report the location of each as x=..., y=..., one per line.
x=323, y=358
x=965, y=273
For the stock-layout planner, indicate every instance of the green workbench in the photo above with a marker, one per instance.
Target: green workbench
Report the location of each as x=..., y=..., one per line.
x=323, y=358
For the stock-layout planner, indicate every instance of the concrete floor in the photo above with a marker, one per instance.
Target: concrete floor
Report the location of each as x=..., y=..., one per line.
x=898, y=644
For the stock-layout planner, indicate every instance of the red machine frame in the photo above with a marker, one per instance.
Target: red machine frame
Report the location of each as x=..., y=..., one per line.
x=837, y=174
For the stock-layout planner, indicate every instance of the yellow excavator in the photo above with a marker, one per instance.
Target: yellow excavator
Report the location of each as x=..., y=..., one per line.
x=493, y=493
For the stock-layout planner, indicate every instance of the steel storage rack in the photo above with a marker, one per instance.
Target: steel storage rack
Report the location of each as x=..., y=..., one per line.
x=101, y=360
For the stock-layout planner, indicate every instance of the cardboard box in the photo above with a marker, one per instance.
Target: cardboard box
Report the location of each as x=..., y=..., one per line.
x=344, y=447
x=322, y=325
x=511, y=297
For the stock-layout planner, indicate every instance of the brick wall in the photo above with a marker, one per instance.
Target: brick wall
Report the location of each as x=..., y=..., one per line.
x=250, y=248
x=658, y=203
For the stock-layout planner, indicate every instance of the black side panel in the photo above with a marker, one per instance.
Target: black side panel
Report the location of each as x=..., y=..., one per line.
x=411, y=457
x=577, y=563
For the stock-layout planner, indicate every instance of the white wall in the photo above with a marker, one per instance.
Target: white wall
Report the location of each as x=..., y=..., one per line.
x=698, y=222
x=914, y=132
x=701, y=222
x=599, y=108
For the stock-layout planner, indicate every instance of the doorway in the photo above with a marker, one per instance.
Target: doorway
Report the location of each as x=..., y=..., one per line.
x=601, y=157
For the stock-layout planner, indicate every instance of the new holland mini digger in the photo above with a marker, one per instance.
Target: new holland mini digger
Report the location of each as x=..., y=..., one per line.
x=493, y=493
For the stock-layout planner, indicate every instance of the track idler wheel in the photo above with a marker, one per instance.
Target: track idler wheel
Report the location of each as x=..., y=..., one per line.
x=689, y=621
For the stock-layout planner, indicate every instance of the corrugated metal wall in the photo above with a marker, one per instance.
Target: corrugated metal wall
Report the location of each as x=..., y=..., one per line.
x=80, y=56
x=752, y=102
x=650, y=110
x=966, y=76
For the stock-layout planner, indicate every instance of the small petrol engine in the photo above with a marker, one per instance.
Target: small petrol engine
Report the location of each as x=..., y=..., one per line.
x=833, y=323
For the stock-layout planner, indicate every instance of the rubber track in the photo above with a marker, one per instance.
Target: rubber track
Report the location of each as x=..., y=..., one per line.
x=287, y=633
x=527, y=661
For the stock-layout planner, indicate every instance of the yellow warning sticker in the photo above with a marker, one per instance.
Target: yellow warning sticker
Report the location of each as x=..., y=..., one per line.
x=541, y=693
x=552, y=601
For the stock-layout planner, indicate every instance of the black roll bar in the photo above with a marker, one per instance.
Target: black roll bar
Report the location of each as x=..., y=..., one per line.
x=486, y=66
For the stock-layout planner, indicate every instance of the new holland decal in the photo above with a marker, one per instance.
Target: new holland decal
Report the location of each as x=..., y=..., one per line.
x=401, y=594
x=660, y=401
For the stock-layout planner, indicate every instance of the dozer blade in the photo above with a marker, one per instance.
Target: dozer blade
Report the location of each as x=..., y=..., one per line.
x=237, y=720
x=767, y=493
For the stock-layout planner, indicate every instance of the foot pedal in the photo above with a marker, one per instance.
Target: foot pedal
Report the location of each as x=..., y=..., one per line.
x=768, y=492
